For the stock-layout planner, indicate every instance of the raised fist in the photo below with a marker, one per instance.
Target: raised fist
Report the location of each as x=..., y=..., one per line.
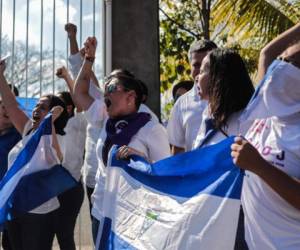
x=90, y=47
x=62, y=72
x=71, y=30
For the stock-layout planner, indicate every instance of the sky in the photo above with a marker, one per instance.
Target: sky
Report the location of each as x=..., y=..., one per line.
x=34, y=27
x=60, y=20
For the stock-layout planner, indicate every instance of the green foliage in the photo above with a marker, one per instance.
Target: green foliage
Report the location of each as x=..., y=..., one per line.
x=242, y=24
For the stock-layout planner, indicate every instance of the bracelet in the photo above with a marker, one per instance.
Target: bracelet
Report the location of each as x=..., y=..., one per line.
x=90, y=58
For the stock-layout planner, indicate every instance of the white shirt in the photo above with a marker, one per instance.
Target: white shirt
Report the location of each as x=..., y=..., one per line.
x=233, y=128
x=270, y=221
x=146, y=109
x=74, y=142
x=95, y=116
x=41, y=163
x=185, y=119
x=90, y=163
x=151, y=140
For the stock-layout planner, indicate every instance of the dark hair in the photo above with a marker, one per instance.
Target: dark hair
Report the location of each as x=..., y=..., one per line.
x=130, y=83
x=201, y=46
x=118, y=72
x=187, y=85
x=122, y=72
x=62, y=120
x=144, y=91
x=67, y=99
x=230, y=87
x=14, y=89
x=127, y=73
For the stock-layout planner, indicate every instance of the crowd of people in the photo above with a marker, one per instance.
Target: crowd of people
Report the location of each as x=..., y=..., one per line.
x=90, y=118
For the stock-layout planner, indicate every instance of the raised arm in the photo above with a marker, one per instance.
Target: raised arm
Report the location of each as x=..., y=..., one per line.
x=64, y=74
x=16, y=115
x=81, y=89
x=71, y=30
x=56, y=112
x=275, y=48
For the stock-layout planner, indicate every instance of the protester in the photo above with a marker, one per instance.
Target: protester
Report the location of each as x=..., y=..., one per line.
x=186, y=114
x=37, y=221
x=143, y=107
x=72, y=199
x=225, y=84
x=134, y=132
x=9, y=136
x=181, y=88
x=90, y=163
x=270, y=153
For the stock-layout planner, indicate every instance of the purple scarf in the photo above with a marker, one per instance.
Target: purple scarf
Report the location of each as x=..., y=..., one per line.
x=120, y=130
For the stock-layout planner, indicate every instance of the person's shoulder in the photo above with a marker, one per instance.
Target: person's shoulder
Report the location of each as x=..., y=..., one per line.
x=186, y=96
x=186, y=100
x=150, y=126
x=144, y=108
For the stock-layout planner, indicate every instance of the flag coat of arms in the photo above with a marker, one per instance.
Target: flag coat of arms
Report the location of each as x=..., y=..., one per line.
x=28, y=184
x=188, y=201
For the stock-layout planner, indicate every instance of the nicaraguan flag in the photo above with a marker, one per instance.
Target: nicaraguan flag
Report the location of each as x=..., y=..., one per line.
x=189, y=201
x=27, y=104
x=27, y=184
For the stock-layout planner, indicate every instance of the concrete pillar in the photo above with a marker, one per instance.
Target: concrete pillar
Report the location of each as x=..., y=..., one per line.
x=135, y=43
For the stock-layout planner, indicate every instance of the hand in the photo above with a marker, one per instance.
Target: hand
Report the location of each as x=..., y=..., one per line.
x=62, y=73
x=56, y=112
x=71, y=30
x=124, y=152
x=244, y=155
x=82, y=52
x=2, y=66
x=90, y=47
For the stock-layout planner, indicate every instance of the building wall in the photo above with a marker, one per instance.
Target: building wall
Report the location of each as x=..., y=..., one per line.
x=135, y=43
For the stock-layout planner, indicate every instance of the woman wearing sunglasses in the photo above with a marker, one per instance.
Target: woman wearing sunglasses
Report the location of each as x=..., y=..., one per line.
x=135, y=132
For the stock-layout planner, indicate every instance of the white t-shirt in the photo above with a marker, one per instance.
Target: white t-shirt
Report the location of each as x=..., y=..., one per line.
x=185, y=119
x=95, y=116
x=151, y=140
x=90, y=163
x=270, y=221
x=234, y=128
x=74, y=141
x=41, y=162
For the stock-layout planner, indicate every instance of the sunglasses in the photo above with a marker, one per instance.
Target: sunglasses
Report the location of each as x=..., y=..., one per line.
x=113, y=87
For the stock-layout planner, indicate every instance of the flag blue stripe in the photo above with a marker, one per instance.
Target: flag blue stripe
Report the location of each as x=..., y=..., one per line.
x=28, y=151
x=33, y=189
x=110, y=240
x=27, y=104
x=39, y=187
x=188, y=174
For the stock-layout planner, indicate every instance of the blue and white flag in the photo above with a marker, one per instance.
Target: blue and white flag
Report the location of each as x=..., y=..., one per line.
x=34, y=177
x=189, y=201
x=27, y=104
